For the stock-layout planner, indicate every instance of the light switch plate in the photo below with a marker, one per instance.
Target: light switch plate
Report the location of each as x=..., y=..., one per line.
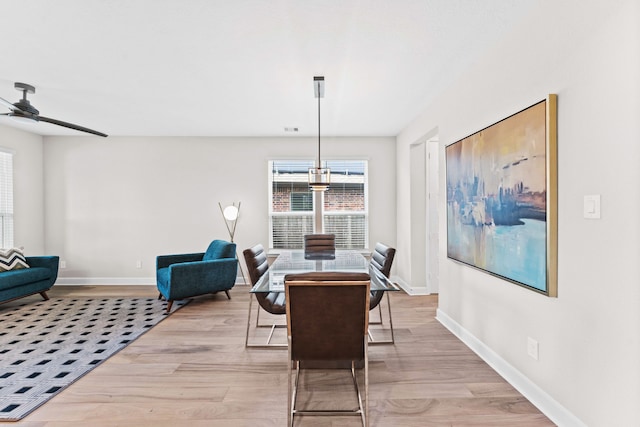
x=592, y=206
x=532, y=348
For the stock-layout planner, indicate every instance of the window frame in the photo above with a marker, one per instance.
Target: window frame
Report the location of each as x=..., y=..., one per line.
x=7, y=198
x=313, y=213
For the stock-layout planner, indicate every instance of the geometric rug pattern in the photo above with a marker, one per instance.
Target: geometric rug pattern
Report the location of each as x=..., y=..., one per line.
x=46, y=346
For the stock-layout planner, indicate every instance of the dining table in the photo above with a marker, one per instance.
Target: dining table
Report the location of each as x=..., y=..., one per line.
x=345, y=261
x=294, y=262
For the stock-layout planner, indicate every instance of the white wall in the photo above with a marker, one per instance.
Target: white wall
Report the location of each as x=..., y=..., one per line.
x=113, y=201
x=587, y=53
x=28, y=203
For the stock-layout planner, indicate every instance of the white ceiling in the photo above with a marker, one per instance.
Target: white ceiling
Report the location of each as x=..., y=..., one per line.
x=241, y=67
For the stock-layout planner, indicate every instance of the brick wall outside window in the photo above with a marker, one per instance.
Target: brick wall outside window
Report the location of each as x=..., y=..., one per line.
x=345, y=210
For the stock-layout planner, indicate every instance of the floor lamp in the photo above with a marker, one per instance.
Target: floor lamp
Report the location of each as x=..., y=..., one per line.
x=230, y=215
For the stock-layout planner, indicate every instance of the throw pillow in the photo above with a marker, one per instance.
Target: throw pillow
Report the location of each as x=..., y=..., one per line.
x=12, y=259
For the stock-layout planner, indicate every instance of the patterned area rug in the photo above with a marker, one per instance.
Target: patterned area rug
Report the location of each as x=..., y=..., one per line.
x=46, y=346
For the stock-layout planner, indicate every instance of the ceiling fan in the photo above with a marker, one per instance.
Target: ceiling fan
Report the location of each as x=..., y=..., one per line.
x=24, y=111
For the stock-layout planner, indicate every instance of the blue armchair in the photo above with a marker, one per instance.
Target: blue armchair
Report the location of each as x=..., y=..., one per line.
x=38, y=278
x=187, y=275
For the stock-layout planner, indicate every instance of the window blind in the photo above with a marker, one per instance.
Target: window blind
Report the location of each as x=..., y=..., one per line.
x=345, y=203
x=6, y=199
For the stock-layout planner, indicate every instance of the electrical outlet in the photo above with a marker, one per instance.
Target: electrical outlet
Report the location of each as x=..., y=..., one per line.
x=532, y=348
x=138, y=264
x=63, y=264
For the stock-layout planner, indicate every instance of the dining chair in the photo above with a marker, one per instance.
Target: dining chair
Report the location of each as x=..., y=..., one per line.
x=382, y=260
x=327, y=321
x=271, y=302
x=319, y=246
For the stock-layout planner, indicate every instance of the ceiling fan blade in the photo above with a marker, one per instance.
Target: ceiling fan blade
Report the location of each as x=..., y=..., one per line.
x=70, y=126
x=8, y=104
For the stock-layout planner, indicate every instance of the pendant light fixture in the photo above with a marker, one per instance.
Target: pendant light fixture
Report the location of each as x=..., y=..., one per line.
x=319, y=177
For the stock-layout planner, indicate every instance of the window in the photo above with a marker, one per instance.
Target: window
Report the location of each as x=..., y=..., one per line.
x=345, y=204
x=302, y=201
x=292, y=210
x=6, y=199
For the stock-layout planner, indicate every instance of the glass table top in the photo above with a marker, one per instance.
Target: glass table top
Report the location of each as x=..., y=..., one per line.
x=294, y=262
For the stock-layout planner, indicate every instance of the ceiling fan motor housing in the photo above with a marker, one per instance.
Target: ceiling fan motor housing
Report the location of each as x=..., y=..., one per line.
x=24, y=105
x=25, y=112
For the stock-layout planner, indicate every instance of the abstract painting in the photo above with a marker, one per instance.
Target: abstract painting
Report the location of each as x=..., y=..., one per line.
x=502, y=198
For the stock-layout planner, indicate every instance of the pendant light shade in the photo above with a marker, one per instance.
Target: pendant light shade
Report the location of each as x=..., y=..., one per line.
x=319, y=177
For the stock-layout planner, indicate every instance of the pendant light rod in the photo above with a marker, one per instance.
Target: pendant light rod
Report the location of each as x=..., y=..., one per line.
x=319, y=163
x=319, y=177
x=319, y=92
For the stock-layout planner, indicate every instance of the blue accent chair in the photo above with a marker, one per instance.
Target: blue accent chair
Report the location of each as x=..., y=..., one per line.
x=183, y=276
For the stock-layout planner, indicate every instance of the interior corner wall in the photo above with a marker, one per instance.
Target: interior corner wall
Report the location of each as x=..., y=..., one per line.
x=589, y=336
x=28, y=196
x=111, y=202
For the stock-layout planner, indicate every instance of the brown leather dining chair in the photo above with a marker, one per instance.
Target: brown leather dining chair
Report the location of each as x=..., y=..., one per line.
x=319, y=246
x=327, y=321
x=382, y=260
x=271, y=302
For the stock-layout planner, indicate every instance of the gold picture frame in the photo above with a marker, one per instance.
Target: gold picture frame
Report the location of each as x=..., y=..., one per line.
x=502, y=198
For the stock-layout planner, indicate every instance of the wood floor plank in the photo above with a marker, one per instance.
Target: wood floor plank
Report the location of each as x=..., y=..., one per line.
x=193, y=369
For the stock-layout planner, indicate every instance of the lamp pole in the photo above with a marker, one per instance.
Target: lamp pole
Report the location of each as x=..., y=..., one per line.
x=231, y=214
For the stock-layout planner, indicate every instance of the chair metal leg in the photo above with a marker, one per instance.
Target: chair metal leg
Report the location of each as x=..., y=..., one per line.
x=377, y=322
x=392, y=340
x=363, y=408
x=273, y=327
x=290, y=397
x=246, y=340
x=365, y=416
x=357, y=390
x=228, y=296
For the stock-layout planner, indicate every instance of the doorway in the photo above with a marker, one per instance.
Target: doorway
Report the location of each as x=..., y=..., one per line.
x=424, y=170
x=433, y=196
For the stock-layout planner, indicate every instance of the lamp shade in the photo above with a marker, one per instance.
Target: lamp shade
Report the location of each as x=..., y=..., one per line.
x=230, y=213
x=319, y=178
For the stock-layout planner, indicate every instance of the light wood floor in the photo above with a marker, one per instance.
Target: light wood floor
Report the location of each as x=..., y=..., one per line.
x=193, y=370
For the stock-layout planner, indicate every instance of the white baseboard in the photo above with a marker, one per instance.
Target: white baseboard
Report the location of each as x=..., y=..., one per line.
x=106, y=281
x=411, y=290
x=538, y=397
x=115, y=281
